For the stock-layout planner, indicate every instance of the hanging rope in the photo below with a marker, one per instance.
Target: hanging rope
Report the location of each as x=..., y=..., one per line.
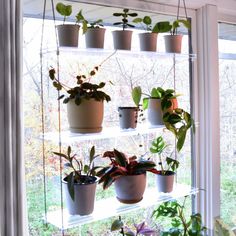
x=59, y=120
x=42, y=115
x=178, y=10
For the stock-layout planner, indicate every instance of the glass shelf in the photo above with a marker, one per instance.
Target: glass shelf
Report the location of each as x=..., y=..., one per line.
x=110, y=132
x=117, y=53
x=102, y=211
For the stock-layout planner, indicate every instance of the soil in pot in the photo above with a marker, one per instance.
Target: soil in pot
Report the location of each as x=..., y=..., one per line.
x=128, y=117
x=94, y=37
x=130, y=188
x=173, y=43
x=68, y=35
x=122, y=39
x=87, y=117
x=83, y=203
x=165, y=182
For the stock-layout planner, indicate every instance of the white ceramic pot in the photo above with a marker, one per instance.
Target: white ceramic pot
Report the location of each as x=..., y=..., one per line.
x=86, y=117
x=122, y=39
x=148, y=41
x=154, y=112
x=128, y=117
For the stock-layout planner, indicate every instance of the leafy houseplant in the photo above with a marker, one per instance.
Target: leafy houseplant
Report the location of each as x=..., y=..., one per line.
x=175, y=119
x=68, y=34
x=168, y=166
x=128, y=174
x=148, y=40
x=84, y=102
x=122, y=39
x=80, y=184
x=173, y=41
x=181, y=226
x=140, y=229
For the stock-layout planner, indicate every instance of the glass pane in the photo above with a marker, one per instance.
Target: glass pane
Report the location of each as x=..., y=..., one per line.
x=123, y=70
x=227, y=69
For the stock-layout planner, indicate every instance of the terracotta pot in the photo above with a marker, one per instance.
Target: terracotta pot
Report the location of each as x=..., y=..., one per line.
x=68, y=35
x=173, y=43
x=83, y=203
x=128, y=117
x=94, y=37
x=130, y=188
x=85, y=118
x=122, y=39
x=165, y=182
x=148, y=41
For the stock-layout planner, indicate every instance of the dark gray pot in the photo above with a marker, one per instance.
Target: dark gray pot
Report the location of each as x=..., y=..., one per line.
x=122, y=39
x=128, y=117
x=165, y=183
x=130, y=188
x=83, y=203
x=154, y=112
x=173, y=43
x=68, y=35
x=148, y=41
x=94, y=37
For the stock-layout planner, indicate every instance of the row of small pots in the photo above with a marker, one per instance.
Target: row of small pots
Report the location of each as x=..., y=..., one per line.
x=122, y=39
x=88, y=116
x=129, y=189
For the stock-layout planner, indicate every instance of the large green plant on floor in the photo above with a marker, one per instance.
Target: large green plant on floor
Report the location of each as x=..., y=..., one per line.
x=181, y=225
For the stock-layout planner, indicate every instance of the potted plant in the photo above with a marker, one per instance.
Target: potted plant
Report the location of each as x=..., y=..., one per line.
x=181, y=225
x=68, y=34
x=84, y=102
x=80, y=185
x=122, y=38
x=156, y=102
x=148, y=40
x=173, y=42
x=94, y=34
x=168, y=166
x=139, y=229
x=162, y=108
x=128, y=117
x=128, y=175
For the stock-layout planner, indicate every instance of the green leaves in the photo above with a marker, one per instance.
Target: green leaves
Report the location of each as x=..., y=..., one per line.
x=117, y=225
x=136, y=95
x=158, y=145
x=64, y=10
x=124, y=21
x=80, y=19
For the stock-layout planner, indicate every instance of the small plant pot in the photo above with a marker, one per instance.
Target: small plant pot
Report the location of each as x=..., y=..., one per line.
x=173, y=43
x=154, y=112
x=87, y=117
x=165, y=182
x=122, y=39
x=94, y=37
x=83, y=203
x=130, y=188
x=128, y=117
x=148, y=41
x=68, y=35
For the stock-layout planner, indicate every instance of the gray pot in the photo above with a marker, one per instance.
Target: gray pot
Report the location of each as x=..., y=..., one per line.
x=68, y=35
x=130, y=188
x=122, y=39
x=128, y=117
x=173, y=43
x=165, y=182
x=94, y=37
x=85, y=118
x=148, y=41
x=83, y=203
x=154, y=112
